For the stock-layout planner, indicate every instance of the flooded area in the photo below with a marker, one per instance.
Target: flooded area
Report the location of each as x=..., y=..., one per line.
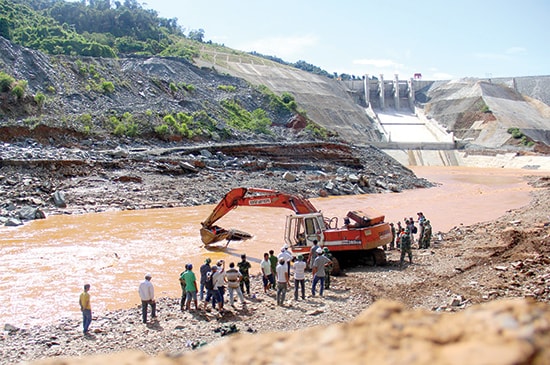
x=45, y=263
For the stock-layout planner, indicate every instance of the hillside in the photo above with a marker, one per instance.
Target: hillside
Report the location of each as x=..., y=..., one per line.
x=482, y=113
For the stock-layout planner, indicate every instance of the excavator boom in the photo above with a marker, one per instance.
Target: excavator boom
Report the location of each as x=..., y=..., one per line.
x=249, y=197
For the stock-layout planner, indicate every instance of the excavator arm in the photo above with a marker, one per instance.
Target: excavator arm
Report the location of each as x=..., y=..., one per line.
x=255, y=197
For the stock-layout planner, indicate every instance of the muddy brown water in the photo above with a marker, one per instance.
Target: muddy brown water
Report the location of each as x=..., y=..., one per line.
x=45, y=263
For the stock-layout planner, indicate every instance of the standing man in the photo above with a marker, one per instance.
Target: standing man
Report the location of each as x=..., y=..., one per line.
x=86, y=309
x=421, y=221
x=287, y=256
x=312, y=254
x=233, y=277
x=204, y=270
x=190, y=287
x=274, y=261
x=393, y=234
x=405, y=247
x=267, y=275
x=182, y=285
x=299, y=277
x=244, y=267
x=218, y=277
x=282, y=281
x=427, y=236
x=328, y=267
x=318, y=271
x=147, y=295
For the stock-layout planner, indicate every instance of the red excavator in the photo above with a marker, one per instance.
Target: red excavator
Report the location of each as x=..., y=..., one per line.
x=359, y=239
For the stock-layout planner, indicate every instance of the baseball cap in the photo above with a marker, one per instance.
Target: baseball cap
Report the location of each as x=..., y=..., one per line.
x=319, y=250
x=148, y=276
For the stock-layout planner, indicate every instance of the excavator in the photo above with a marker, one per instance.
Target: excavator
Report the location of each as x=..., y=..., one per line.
x=359, y=239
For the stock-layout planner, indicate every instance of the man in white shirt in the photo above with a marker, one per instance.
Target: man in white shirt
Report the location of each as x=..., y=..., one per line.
x=282, y=281
x=267, y=276
x=287, y=256
x=147, y=295
x=299, y=276
x=219, y=284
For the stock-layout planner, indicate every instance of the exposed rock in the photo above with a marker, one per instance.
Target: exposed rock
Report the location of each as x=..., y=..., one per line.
x=59, y=199
x=289, y=176
x=30, y=213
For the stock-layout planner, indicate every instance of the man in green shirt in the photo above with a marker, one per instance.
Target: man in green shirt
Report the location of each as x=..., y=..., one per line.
x=190, y=287
x=274, y=261
x=244, y=267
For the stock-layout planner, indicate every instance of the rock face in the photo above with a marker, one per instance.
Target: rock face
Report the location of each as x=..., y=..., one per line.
x=500, y=332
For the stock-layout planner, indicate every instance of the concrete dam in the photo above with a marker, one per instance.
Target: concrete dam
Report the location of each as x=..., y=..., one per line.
x=379, y=112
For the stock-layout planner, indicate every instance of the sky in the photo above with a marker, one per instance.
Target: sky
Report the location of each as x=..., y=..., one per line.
x=441, y=39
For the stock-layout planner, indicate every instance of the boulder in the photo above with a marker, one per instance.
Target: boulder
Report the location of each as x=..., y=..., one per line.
x=59, y=199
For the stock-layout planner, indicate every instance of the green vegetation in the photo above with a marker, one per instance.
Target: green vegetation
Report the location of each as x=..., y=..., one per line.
x=124, y=126
x=9, y=84
x=108, y=87
x=86, y=120
x=40, y=99
x=229, y=88
x=6, y=82
x=241, y=119
x=517, y=134
x=187, y=87
x=485, y=109
x=106, y=28
x=285, y=102
x=318, y=131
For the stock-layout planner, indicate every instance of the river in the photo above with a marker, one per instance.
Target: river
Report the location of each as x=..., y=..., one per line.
x=46, y=262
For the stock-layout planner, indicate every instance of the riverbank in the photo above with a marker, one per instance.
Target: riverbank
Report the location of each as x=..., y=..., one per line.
x=504, y=258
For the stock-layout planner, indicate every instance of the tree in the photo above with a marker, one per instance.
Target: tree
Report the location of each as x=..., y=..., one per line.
x=196, y=35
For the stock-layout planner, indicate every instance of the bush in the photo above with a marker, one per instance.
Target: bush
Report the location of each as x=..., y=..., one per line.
x=162, y=129
x=107, y=87
x=6, y=82
x=229, y=88
x=515, y=132
x=19, y=89
x=40, y=98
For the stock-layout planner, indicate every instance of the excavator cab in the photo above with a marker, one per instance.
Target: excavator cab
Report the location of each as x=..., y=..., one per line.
x=302, y=229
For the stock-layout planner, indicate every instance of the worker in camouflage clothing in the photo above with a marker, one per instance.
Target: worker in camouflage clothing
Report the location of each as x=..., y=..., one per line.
x=406, y=247
x=328, y=268
x=427, y=236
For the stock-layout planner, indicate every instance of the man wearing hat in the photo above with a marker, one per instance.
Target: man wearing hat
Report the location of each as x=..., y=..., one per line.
x=147, y=295
x=318, y=271
x=211, y=292
x=204, y=270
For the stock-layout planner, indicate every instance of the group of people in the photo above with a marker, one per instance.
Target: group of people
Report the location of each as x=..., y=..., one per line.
x=277, y=271
x=403, y=235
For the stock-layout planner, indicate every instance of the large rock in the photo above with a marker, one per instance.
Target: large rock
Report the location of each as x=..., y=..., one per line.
x=501, y=332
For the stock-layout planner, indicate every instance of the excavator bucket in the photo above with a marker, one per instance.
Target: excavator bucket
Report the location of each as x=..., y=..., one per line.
x=216, y=234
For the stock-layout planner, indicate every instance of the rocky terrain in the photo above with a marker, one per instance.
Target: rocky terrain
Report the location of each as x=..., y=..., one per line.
x=51, y=164
x=470, y=265
x=37, y=180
